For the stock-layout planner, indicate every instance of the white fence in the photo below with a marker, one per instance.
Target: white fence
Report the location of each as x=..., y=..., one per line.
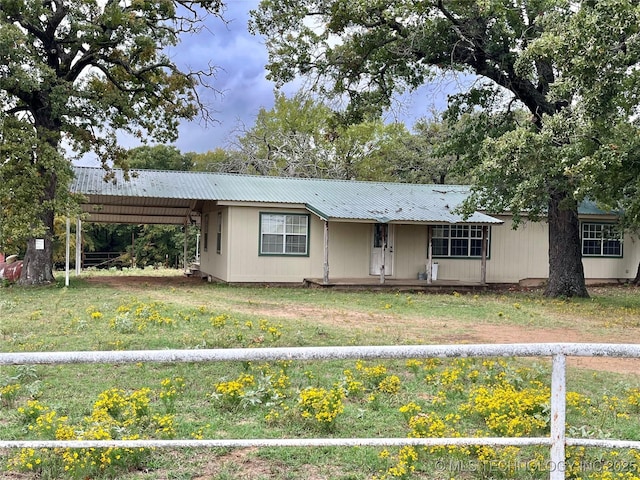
x=557, y=441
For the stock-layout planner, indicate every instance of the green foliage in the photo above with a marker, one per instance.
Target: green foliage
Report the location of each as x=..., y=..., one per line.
x=426, y=155
x=370, y=50
x=218, y=160
x=158, y=157
x=22, y=179
x=300, y=137
x=605, y=78
x=79, y=73
x=573, y=67
x=157, y=245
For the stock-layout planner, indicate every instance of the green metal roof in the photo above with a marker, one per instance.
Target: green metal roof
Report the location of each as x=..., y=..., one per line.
x=330, y=199
x=142, y=183
x=351, y=200
x=589, y=207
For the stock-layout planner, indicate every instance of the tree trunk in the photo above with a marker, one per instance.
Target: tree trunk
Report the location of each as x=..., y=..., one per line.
x=566, y=272
x=37, y=267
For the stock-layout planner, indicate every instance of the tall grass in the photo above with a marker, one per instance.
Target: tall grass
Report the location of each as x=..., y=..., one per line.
x=421, y=397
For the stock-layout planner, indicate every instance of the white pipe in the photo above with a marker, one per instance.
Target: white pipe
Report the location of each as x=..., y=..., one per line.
x=558, y=416
x=66, y=258
x=275, y=442
x=78, y=246
x=325, y=353
x=557, y=440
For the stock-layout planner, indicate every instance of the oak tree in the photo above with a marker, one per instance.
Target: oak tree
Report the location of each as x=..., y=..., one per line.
x=73, y=74
x=299, y=137
x=536, y=55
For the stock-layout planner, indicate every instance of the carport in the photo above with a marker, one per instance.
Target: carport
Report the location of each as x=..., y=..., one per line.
x=154, y=198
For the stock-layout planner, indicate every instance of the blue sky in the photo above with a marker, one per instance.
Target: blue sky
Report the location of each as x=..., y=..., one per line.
x=241, y=58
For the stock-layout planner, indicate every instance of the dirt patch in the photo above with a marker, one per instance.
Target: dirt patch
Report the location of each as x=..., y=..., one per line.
x=137, y=282
x=240, y=460
x=515, y=334
x=397, y=328
x=248, y=465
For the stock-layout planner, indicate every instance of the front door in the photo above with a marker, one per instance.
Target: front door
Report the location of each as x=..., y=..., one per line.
x=382, y=249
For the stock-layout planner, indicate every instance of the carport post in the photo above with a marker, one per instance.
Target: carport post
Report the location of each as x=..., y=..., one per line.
x=66, y=259
x=78, y=246
x=186, y=235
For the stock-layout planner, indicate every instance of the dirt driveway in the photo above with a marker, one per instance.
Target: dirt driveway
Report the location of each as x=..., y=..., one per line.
x=471, y=334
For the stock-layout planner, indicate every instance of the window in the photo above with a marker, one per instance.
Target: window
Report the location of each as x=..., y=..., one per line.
x=284, y=234
x=457, y=241
x=219, y=234
x=601, y=240
x=379, y=235
x=205, y=232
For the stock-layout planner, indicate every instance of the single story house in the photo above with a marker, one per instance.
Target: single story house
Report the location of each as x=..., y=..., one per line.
x=290, y=230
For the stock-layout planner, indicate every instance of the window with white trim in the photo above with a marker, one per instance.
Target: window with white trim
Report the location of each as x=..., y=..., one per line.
x=219, y=233
x=284, y=234
x=601, y=240
x=457, y=241
x=205, y=231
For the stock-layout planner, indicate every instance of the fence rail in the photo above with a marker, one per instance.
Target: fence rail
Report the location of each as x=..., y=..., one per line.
x=557, y=441
x=102, y=259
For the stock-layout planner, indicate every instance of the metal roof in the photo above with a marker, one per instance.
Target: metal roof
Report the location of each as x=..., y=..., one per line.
x=589, y=207
x=147, y=196
x=153, y=196
x=142, y=183
x=351, y=200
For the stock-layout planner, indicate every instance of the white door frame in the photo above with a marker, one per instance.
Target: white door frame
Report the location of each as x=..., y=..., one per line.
x=382, y=251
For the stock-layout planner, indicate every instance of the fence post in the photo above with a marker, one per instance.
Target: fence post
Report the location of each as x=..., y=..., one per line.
x=558, y=416
x=66, y=257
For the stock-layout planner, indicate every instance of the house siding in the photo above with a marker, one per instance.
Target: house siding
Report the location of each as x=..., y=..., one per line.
x=518, y=254
x=211, y=262
x=410, y=250
x=514, y=256
x=245, y=263
x=522, y=255
x=606, y=268
x=349, y=249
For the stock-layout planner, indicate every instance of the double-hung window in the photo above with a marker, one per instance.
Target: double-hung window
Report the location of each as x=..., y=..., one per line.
x=205, y=232
x=219, y=233
x=284, y=234
x=601, y=240
x=457, y=241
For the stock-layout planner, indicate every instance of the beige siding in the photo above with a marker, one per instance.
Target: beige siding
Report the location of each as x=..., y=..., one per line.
x=615, y=268
x=411, y=256
x=410, y=251
x=211, y=262
x=522, y=254
x=246, y=265
x=518, y=254
x=349, y=250
x=514, y=255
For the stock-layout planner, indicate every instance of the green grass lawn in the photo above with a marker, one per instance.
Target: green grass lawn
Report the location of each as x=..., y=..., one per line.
x=351, y=398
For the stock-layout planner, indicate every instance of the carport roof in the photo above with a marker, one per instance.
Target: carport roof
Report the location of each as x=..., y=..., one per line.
x=153, y=196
